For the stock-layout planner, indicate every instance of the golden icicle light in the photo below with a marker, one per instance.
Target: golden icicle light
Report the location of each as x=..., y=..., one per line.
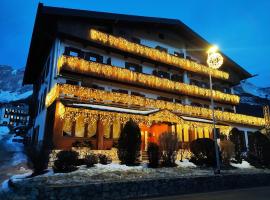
x=99, y=96
x=154, y=54
x=82, y=66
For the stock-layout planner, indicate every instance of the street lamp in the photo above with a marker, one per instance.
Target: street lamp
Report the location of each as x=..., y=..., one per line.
x=214, y=60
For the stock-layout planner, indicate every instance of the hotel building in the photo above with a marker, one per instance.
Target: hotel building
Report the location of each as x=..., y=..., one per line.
x=94, y=71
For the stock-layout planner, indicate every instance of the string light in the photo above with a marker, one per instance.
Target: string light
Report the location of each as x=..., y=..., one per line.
x=99, y=96
x=82, y=66
x=153, y=54
x=107, y=118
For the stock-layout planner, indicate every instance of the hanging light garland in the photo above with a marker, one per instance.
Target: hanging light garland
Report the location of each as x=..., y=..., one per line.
x=100, y=96
x=82, y=66
x=154, y=54
x=72, y=114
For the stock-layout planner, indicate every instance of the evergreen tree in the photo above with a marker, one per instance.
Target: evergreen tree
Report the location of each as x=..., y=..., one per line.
x=129, y=144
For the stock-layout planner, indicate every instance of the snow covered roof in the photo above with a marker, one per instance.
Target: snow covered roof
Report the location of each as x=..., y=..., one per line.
x=117, y=109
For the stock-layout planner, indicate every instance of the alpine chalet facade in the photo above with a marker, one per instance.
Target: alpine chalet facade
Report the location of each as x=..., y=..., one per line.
x=93, y=71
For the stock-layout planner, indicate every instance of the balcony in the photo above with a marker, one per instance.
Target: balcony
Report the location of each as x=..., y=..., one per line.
x=153, y=54
x=104, y=97
x=81, y=66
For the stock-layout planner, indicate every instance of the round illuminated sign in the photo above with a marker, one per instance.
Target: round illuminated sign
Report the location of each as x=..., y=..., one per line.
x=214, y=60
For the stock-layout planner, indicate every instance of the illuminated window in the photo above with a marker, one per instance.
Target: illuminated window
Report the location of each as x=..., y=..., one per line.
x=79, y=128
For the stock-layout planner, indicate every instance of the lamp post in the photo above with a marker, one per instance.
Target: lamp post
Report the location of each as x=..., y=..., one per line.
x=214, y=61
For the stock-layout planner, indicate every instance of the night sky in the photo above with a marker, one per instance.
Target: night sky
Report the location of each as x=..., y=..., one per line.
x=240, y=28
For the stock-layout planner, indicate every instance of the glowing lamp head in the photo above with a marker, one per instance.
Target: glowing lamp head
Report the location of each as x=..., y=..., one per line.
x=214, y=59
x=212, y=49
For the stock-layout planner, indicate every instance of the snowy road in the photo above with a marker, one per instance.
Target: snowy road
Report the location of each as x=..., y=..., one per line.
x=12, y=159
x=260, y=193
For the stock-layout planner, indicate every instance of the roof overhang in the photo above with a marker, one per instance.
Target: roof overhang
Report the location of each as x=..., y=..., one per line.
x=45, y=31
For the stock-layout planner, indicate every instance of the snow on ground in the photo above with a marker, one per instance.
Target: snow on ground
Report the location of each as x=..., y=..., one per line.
x=7, y=96
x=185, y=163
x=243, y=165
x=17, y=148
x=4, y=130
x=12, y=158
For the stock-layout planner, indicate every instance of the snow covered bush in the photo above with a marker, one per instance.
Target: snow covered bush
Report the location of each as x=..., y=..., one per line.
x=227, y=151
x=90, y=160
x=129, y=144
x=237, y=139
x=66, y=162
x=104, y=160
x=203, y=152
x=37, y=158
x=168, y=144
x=153, y=155
x=259, y=150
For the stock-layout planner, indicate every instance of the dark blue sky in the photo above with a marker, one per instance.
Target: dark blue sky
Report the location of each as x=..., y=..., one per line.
x=241, y=28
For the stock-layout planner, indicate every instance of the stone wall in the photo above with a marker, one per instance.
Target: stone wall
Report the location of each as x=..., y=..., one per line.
x=138, y=189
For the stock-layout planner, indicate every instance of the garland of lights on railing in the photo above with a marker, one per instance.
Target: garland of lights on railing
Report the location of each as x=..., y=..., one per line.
x=88, y=94
x=82, y=66
x=71, y=114
x=154, y=54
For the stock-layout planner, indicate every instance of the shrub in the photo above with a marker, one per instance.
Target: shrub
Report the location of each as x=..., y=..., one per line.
x=66, y=161
x=90, y=160
x=129, y=144
x=183, y=149
x=203, y=151
x=37, y=158
x=84, y=143
x=259, y=150
x=153, y=155
x=227, y=151
x=237, y=139
x=168, y=144
x=104, y=160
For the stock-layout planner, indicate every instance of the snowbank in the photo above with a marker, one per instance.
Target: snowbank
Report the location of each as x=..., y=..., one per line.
x=4, y=130
x=185, y=163
x=243, y=165
x=7, y=96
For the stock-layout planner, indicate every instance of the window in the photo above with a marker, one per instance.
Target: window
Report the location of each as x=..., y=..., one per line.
x=180, y=55
x=196, y=104
x=136, y=40
x=5, y=116
x=94, y=57
x=176, y=77
x=137, y=94
x=109, y=61
x=72, y=82
x=178, y=100
x=120, y=91
x=69, y=51
x=97, y=87
x=161, y=49
x=165, y=99
x=161, y=74
x=133, y=67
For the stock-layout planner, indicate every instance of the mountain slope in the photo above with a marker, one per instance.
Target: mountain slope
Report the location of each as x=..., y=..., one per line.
x=252, y=99
x=11, y=88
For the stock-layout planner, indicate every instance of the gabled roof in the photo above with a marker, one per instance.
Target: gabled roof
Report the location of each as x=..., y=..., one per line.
x=45, y=31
